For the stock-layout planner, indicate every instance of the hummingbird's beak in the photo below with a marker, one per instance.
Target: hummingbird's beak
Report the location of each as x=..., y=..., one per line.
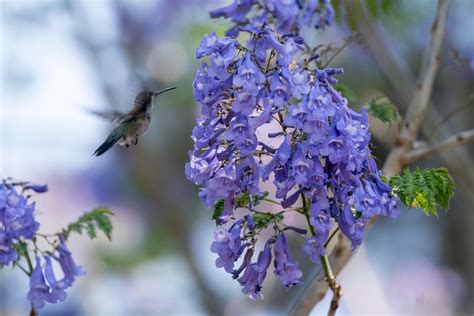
x=162, y=91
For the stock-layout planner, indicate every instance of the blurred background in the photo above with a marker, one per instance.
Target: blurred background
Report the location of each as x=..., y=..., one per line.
x=60, y=58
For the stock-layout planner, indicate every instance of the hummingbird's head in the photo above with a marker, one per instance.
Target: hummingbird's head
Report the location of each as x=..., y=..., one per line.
x=145, y=98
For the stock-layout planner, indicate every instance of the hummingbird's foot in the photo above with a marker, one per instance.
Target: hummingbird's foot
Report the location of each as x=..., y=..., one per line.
x=127, y=145
x=136, y=141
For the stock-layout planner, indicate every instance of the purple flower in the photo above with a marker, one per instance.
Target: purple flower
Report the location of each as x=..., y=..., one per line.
x=302, y=167
x=250, y=222
x=248, y=76
x=336, y=150
x=70, y=269
x=236, y=11
x=300, y=85
x=220, y=185
x=320, y=103
x=244, y=103
x=255, y=273
x=373, y=198
x=285, y=11
x=248, y=176
x=37, y=188
x=285, y=267
x=278, y=163
x=320, y=219
x=7, y=253
x=224, y=49
x=280, y=90
x=314, y=248
x=312, y=8
x=227, y=245
x=297, y=116
x=57, y=287
x=16, y=215
x=351, y=227
x=39, y=290
x=239, y=130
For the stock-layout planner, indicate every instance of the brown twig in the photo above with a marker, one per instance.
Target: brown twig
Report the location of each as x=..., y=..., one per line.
x=354, y=37
x=450, y=142
x=333, y=285
x=467, y=104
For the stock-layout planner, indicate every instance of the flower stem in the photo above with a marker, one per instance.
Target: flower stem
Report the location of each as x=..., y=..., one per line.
x=329, y=275
x=333, y=285
x=306, y=205
x=331, y=237
x=28, y=260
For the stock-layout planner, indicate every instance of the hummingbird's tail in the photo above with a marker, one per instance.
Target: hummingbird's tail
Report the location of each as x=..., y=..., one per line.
x=109, y=143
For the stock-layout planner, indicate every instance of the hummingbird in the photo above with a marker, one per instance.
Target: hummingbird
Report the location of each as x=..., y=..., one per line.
x=129, y=126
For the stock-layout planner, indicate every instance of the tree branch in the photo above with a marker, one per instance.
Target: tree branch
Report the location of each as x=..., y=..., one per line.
x=316, y=289
x=420, y=101
x=450, y=142
x=468, y=103
x=333, y=285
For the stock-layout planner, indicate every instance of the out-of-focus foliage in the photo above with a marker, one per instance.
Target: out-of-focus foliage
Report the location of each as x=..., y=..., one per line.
x=376, y=9
x=346, y=92
x=381, y=108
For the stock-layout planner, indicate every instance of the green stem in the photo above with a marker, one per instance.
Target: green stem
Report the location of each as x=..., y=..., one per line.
x=329, y=275
x=271, y=201
x=28, y=260
x=17, y=264
x=306, y=213
x=331, y=237
x=327, y=268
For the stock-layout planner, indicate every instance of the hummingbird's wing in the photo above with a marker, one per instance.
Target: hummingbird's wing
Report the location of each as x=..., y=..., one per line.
x=115, y=117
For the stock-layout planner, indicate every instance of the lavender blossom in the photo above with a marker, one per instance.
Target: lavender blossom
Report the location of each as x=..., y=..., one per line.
x=256, y=75
x=39, y=290
x=286, y=268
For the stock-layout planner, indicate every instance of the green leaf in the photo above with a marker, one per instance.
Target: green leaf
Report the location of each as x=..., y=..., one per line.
x=20, y=247
x=346, y=92
x=387, y=6
x=262, y=220
x=240, y=201
x=243, y=199
x=372, y=7
x=257, y=198
x=218, y=209
x=98, y=218
x=336, y=4
x=351, y=14
x=381, y=108
x=424, y=189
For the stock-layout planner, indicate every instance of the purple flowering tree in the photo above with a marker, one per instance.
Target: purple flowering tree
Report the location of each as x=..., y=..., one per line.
x=20, y=245
x=271, y=117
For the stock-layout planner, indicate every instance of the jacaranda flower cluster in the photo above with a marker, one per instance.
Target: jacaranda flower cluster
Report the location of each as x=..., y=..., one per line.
x=19, y=246
x=17, y=220
x=268, y=113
